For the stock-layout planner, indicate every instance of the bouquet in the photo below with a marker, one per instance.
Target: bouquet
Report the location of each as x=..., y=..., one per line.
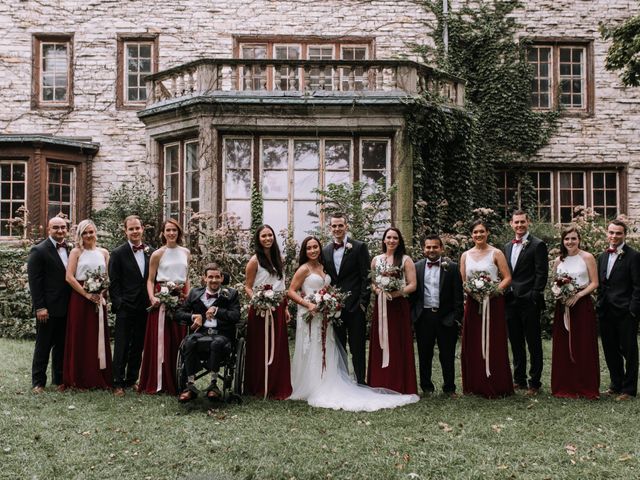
x=330, y=302
x=481, y=285
x=96, y=282
x=265, y=298
x=388, y=278
x=564, y=287
x=169, y=295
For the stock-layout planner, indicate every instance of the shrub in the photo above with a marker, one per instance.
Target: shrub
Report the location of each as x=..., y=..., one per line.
x=16, y=317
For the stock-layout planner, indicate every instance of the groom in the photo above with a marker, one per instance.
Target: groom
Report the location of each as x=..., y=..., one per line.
x=128, y=273
x=347, y=262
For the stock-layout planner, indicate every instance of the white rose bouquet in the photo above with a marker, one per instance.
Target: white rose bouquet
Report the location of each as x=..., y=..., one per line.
x=564, y=287
x=169, y=295
x=96, y=282
x=388, y=278
x=266, y=298
x=481, y=285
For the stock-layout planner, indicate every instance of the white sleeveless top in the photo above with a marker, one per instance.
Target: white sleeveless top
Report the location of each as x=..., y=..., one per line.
x=90, y=260
x=576, y=268
x=173, y=266
x=264, y=277
x=485, y=264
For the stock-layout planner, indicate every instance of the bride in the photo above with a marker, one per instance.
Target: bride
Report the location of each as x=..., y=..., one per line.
x=333, y=387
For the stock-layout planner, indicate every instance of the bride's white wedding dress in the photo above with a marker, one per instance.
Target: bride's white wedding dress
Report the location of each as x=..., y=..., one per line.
x=333, y=388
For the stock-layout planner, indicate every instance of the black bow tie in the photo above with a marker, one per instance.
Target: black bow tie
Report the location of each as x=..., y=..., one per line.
x=431, y=264
x=210, y=295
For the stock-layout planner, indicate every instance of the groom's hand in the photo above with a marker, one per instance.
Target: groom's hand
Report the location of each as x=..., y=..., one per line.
x=197, y=321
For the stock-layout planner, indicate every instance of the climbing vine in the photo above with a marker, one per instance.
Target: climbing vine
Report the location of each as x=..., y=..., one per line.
x=457, y=152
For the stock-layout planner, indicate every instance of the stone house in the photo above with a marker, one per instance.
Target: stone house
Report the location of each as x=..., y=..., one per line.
x=207, y=98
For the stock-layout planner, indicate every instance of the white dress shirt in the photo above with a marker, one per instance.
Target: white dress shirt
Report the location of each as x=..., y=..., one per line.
x=139, y=256
x=613, y=257
x=212, y=322
x=517, y=249
x=431, y=292
x=62, y=252
x=338, y=253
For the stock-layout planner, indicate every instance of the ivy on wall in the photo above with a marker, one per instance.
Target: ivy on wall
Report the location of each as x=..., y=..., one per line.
x=457, y=153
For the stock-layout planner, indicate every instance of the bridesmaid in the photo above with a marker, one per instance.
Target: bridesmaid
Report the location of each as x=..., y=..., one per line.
x=266, y=267
x=485, y=364
x=170, y=263
x=87, y=354
x=391, y=357
x=575, y=367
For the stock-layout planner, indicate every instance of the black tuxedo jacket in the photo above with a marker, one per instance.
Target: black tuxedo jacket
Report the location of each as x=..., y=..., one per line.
x=451, y=308
x=47, y=283
x=529, y=278
x=621, y=291
x=354, y=273
x=228, y=313
x=128, y=288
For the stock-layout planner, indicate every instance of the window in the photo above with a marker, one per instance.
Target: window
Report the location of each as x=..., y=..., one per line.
x=283, y=77
x=13, y=194
x=181, y=185
x=137, y=57
x=61, y=186
x=288, y=169
x=563, y=76
x=52, y=82
x=558, y=192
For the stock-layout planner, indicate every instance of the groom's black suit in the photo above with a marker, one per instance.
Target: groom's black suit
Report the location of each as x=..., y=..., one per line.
x=129, y=301
x=49, y=290
x=618, y=309
x=438, y=324
x=352, y=277
x=525, y=302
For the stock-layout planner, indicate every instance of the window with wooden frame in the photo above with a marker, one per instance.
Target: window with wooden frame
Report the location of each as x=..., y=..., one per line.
x=13, y=194
x=562, y=75
x=306, y=48
x=559, y=192
x=137, y=57
x=181, y=180
x=52, y=71
x=288, y=169
x=61, y=188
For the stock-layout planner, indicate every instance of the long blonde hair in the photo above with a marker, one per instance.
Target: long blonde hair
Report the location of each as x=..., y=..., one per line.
x=82, y=226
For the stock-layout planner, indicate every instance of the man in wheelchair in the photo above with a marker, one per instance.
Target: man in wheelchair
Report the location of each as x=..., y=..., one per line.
x=212, y=311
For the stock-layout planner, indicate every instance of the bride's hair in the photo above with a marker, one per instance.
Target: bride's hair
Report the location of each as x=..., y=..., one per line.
x=400, y=249
x=273, y=262
x=303, y=251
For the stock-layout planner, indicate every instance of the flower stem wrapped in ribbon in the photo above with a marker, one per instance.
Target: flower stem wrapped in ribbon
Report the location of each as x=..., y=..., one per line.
x=564, y=287
x=265, y=301
x=96, y=283
x=481, y=286
x=329, y=301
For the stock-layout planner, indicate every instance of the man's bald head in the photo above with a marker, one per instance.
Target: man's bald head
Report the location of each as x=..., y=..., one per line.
x=57, y=228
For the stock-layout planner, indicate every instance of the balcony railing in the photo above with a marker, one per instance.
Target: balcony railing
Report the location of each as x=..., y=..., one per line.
x=302, y=77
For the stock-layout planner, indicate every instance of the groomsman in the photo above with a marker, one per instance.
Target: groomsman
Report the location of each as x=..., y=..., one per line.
x=347, y=262
x=46, y=268
x=529, y=265
x=618, y=308
x=128, y=273
x=437, y=309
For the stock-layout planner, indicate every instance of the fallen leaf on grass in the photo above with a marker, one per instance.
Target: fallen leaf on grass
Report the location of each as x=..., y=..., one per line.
x=497, y=428
x=502, y=467
x=445, y=426
x=71, y=407
x=570, y=449
x=86, y=434
x=413, y=475
x=625, y=458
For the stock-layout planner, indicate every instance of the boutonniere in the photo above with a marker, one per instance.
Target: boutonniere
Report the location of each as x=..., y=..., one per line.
x=225, y=293
x=69, y=246
x=620, y=253
x=445, y=265
x=146, y=249
x=347, y=247
x=525, y=243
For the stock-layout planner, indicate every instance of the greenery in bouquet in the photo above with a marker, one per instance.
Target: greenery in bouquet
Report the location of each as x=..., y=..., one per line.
x=388, y=278
x=480, y=285
x=265, y=298
x=329, y=302
x=564, y=287
x=169, y=295
x=96, y=282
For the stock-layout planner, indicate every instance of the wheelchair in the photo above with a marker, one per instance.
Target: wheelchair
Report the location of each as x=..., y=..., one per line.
x=231, y=373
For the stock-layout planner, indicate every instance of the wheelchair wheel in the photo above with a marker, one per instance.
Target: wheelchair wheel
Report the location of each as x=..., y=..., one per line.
x=238, y=374
x=181, y=374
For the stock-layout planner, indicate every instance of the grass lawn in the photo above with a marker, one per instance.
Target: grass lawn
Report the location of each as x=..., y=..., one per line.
x=95, y=435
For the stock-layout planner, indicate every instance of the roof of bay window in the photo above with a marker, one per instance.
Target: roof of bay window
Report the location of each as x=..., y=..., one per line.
x=81, y=145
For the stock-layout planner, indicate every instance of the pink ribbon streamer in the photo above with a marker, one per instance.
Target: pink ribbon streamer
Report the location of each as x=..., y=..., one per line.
x=269, y=340
x=102, y=355
x=486, y=319
x=160, y=359
x=383, y=328
x=567, y=326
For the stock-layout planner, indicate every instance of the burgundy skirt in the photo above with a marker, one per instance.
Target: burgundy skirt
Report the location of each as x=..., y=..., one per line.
x=159, y=374
x=497, y=382
x=575, y=364
x=81, y=367
x=400, y=374
x=279, y=372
